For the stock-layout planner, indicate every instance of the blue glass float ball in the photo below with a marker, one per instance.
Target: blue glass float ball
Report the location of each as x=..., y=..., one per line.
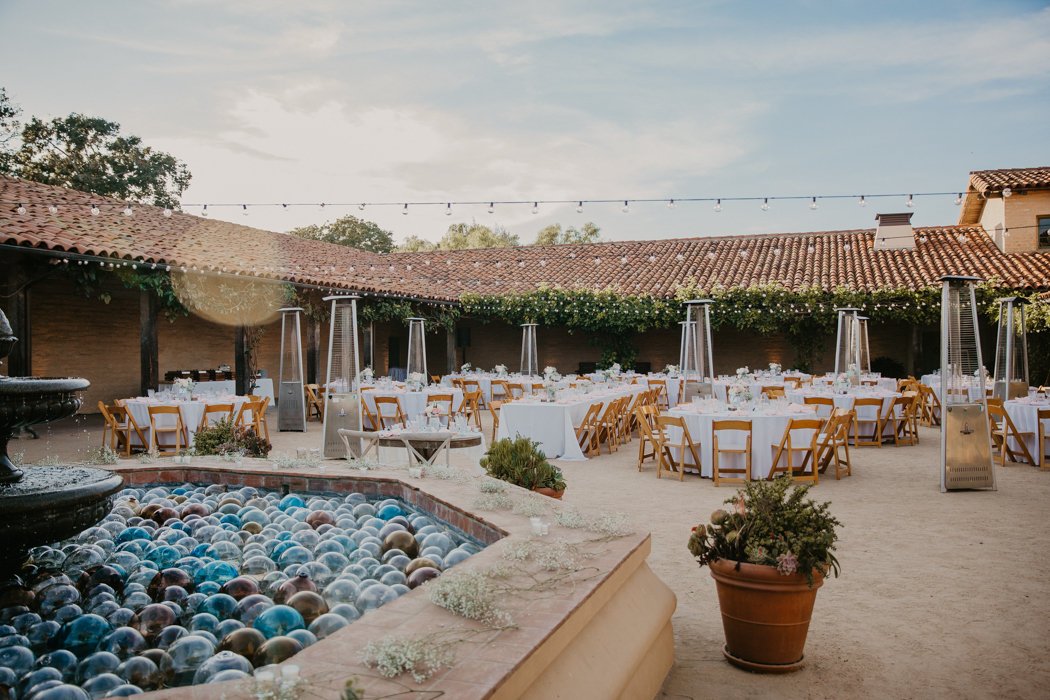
x=375, y=596
x=220, y=605
x=95, y=665
x=278, y=621
x=218, y=572
x=327, y=624
x=83, y=634
x=223, y=661
x=304, y=637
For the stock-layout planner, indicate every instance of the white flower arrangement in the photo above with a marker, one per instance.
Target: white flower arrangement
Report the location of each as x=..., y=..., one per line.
x=472, y=595
x=743, y=371
x=184, y=384
x=671, y=370
x=367, y=374
x=775, y=368
x=501, y=370
x=423, y=657
x=549, y=370
x=739, y=393
x=615, y=369
x=465, y=367
x=416, y=380
x=433, y=409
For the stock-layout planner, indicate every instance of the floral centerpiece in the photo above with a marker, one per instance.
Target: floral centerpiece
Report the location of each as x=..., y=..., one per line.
x=853, y=374
x=775, y=368
x=550, y=385
x=500, y=370
x=672, y=371
x=742, y=372
x=549, y=370
x=614, y=370
x=432, y=413
x=465, y=367
x=415, y=381
x=740, y=390
x=768, y=553
x=366, y=375
x=184, y=386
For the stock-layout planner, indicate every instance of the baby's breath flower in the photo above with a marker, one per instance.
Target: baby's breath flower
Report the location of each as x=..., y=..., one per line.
x=469, y=594
x=421, y=657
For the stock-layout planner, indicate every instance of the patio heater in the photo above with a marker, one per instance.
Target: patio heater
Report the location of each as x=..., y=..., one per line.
x=342, y=409
x=694, y=356
x=966, y=455
x=291, y=406
x=862, y=339
x=1011, y=351
x=530, y=364
x=417, y=349
x=847, y=342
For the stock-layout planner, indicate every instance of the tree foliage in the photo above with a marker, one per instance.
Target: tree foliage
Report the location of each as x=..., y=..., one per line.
x=554, y=235
x=349, y=231
x=463, y=236
x=88, y=154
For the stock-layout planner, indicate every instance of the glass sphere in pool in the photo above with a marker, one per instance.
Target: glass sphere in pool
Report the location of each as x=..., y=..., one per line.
x=176, y=586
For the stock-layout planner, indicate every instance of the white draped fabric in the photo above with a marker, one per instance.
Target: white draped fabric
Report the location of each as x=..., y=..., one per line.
x=191, y=412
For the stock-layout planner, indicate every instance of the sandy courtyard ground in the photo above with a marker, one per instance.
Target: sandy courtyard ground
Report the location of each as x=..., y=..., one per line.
x=941, y=595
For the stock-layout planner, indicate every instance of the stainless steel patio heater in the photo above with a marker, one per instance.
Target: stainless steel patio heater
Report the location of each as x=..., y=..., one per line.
x=694, y=357
x=865, y=350
x=291, y=405
x=966, y=455
x=342, y=408
x=530, y=363
x=417, y=349
x=847, y=343
x=1010, y=380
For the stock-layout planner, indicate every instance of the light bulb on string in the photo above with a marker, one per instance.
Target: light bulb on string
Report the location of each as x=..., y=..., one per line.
x=579, y=207
x=862, y=202
x=958, y=199
x=626, y=207
x=94, y=210
x=52, y=209
x=127, y=210
x=1007, y=191
x=670, y=204
x=448, y=209
x=167, y=213
x=535, y=207
x=361, y=206
x=204, y=210
x=244, y=210
x=718, y=205
x=404, y=210
x=911, y=202
x=813, y=204
x=21, y=209
x=765, y=204
x=492, y=207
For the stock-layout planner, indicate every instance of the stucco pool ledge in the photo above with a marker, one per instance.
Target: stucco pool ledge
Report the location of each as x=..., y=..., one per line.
x=600, y=628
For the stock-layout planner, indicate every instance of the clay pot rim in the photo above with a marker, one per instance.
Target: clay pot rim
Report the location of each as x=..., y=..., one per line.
x=547, y=491
x=761, y=573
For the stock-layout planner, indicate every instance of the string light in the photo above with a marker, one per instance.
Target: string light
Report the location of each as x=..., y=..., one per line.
x=958, y=199
x=404, y=211
x=765, y=204
x=244, y=210
x=448, y=209
x=94, y=210
x=167, y=213
x=52, y=209
x=492, y=207
x=670, y=204
x=535, y=208
x=626, y=207
x=718, y=205
x=361, y=206
x=1007, y=192
x=21, y=209
x=204, y=210
x=579, y=207
x=863, y=202
x=127, y=210
x=911, y=202
x=813, y=204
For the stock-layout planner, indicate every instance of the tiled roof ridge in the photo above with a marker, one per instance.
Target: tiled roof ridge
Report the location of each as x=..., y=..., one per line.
x=1033, y=177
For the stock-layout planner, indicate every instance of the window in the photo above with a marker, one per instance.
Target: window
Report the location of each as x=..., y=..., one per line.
x=1044, y=231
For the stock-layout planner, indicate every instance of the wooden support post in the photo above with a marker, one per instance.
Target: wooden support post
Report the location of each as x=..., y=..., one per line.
x=313, y=349
x=149, y=374
x=240, y=361
x=19, y=362
x=450, y=348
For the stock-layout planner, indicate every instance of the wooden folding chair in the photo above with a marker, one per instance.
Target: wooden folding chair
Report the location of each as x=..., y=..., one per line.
x=609, y=426
x=648, y=434
x=901, y=414
x=774, y=392
x=833, y=438
x=717, y=470
x=587, y=431
x=444, y=401
x=873, y=438
x=219, y=411
x=435, y=379
x=795, y=382
x=1042, y=423
x=252, y=414
x=388, y=418
x=660, y=395
x=685, y=442
x=494, y=406
x=498, y=389
x=470, y=385
x=471, y=407
x=516, y=390
x=120, y=424
x=930, y=404
x=537, y=387
x=825, y=406
x=314, y=402
x=369, y=420
x=156, y=430
x=1003, y=431
x=789, y=447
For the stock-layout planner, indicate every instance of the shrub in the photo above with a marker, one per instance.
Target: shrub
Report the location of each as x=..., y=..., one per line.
x=521, y=462
x=223, y=438
x=888, y=367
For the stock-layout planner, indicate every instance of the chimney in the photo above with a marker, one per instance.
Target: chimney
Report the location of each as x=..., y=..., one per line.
x=894, y=232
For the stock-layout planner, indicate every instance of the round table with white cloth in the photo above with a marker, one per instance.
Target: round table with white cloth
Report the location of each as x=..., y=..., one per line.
x=973, y=389
x=413, y=403
x=767, y=429
x=865, y=414
x=191, y=411
x=1024, y=414
x=720, y=386
x=553, y=424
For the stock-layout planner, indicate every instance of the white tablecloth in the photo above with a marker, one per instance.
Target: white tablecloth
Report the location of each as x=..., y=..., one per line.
x=1023, y=413
x=413, y=402
x=975, y=391
x=884, y=383
x=553, y=425
x=767, y=431
x=264, y=387
x=720, y=387
x=191, y=412
x=865, y=414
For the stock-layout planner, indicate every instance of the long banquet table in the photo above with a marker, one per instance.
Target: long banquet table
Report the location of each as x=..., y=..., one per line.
x=191, y=412
x=553, y=424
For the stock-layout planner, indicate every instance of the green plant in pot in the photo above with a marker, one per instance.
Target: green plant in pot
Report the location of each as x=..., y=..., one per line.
x=768, y=554
x=521, y=462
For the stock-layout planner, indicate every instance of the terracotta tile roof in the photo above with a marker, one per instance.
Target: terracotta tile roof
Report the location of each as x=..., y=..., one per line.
x=825, y=259
x=984, y=181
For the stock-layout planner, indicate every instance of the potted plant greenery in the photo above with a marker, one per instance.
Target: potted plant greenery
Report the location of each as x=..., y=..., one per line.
x=521, y=462
x=768, y=554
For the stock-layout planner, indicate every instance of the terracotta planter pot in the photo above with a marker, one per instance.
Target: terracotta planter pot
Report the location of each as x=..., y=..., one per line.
x=549, y=492
x=765, y=615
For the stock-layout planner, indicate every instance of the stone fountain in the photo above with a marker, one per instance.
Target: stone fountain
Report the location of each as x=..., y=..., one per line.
x=48, y=503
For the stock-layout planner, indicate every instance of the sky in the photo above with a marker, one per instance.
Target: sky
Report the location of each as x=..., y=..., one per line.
x=272, y=101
